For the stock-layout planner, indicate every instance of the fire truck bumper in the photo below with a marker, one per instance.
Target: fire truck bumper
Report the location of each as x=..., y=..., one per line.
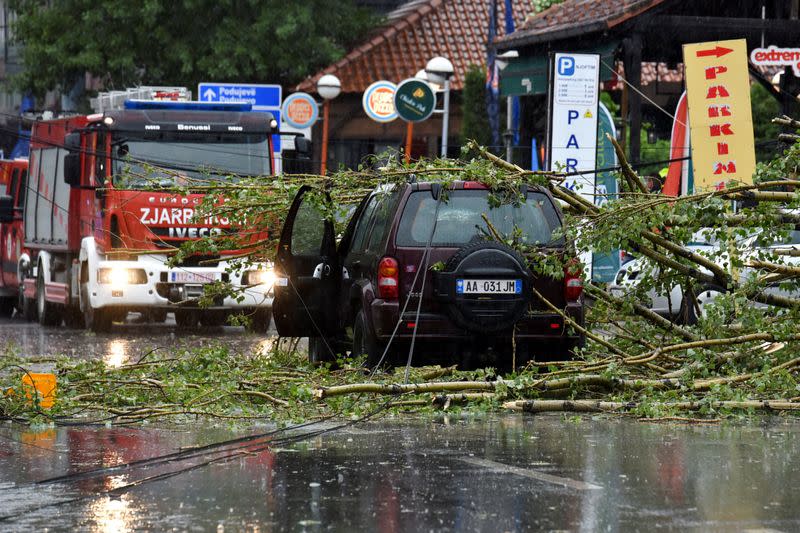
x=150, y=283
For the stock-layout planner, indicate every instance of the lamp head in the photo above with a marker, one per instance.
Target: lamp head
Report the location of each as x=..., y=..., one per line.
x=503, y=59
x=439, y=70
x=329, y=87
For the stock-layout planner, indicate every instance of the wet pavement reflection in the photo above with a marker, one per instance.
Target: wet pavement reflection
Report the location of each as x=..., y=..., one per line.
x=507, y=473
x=126, y=342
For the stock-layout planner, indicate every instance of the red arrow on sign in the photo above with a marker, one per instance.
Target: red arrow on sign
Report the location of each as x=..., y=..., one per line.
x=719, y=51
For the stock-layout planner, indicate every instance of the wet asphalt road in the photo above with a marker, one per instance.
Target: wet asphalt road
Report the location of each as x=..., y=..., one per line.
x=125, y=343
x=509, y=473
x=452, y=473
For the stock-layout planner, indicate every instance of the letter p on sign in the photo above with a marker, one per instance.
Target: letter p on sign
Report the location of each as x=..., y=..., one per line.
x=566, y=66
x=572, y=115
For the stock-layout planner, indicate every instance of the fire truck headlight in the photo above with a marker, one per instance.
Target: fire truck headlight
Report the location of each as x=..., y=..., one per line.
x=260, y=277
x=119, y=277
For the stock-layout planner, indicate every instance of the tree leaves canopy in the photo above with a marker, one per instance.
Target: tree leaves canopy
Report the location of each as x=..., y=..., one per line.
x=181, y=42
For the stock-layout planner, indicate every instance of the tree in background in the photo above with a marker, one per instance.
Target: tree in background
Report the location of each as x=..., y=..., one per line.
x=475, y=123
x=181, y=42
x=765, y=108
x=541, y=5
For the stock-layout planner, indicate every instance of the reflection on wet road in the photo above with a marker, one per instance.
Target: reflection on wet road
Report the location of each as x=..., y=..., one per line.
x=508, y=473
x=125, y=343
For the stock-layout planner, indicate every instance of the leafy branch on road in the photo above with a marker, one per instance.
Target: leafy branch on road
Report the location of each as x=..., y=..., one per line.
x=741, y=353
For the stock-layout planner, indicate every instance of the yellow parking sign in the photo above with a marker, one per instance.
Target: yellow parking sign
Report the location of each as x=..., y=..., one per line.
x=720, y=118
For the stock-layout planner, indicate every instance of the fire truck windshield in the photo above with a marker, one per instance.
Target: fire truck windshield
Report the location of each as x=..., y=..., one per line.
x=142, y=163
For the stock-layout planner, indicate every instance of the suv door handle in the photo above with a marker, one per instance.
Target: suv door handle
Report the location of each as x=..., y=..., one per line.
x=321, y=270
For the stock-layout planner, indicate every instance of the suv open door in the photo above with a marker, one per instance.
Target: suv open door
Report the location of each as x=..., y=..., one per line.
x=309, y=272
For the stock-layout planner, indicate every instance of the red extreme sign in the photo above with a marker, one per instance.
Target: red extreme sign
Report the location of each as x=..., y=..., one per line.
x=775, y=56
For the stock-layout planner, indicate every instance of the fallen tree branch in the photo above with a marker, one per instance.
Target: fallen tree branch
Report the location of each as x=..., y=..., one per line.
x=642, y=311
x=594, y=406
x=397, y=388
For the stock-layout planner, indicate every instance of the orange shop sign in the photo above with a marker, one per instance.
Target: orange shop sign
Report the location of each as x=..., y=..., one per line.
x=720, y=118
x=300, y=110
x=378, y=101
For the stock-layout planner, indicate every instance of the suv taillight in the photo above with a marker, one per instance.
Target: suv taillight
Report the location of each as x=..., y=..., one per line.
x=573, y=284
x=388, y=279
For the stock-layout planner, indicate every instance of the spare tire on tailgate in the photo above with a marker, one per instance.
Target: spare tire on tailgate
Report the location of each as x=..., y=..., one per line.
x=484, y=287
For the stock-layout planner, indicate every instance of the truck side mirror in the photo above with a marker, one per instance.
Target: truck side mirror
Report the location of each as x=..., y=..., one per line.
x=6, y=209
x=72, y=169
x=302, y=146
x=72, y=141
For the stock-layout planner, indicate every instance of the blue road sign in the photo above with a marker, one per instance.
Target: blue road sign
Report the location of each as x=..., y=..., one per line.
x=261, y=97
x=257, y=95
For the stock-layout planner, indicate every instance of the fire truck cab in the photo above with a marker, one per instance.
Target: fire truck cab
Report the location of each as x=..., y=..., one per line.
x=101, y=229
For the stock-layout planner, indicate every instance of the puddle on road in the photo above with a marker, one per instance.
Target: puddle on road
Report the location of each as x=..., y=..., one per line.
x=412, y=475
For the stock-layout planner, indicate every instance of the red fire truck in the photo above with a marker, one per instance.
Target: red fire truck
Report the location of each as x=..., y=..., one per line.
x=13, y=179
x=96, y=222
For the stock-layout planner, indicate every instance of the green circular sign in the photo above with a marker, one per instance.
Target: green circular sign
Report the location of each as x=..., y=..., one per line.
x=414, y=100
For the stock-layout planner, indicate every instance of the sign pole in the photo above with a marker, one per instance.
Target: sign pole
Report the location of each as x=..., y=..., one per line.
x=409, y=135
x=324, y=156
x=445, y=117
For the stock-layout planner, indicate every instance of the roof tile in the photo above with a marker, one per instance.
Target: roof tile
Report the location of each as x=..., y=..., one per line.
x=414, y=33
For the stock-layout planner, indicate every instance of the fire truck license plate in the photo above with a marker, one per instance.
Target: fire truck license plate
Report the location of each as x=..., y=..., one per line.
x=489, y=286
x=193, y=277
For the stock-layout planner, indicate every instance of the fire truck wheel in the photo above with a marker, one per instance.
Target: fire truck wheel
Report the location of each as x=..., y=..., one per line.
x=73, y=318
x=213, y=319
x=158, y=316
x=187, y=318
x=49, y=314
x=6, y=307
x=28, y=307
x=98, y=320
x=260, y=320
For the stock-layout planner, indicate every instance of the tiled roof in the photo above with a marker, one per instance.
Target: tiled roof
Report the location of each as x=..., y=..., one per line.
x=414, y=33
x=573, y=17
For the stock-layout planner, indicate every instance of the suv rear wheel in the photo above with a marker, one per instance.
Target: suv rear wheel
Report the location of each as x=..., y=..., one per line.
x=365, y=342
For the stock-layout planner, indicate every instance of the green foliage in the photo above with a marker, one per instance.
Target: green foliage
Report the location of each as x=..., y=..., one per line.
x=541, y=5
x=765, y=107
x=475, y=121
x=181, y=42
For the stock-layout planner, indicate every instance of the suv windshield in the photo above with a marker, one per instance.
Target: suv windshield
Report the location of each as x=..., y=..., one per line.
x=148, y=162
x=460, y=221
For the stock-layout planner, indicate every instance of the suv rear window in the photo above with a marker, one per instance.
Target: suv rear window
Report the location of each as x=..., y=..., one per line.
x=460, y=221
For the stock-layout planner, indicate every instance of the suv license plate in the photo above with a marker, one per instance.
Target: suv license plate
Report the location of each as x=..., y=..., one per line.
x=193, y=277
x=489, y=286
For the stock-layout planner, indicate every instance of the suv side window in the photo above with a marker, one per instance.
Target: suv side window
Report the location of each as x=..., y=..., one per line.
x=381, y=225
x=308, y=231
x=363, y=225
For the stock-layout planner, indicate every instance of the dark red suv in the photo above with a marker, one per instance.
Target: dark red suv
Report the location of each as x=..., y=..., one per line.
x=476, y=298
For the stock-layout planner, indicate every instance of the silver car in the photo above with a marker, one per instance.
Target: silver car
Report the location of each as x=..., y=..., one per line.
x=671, y=303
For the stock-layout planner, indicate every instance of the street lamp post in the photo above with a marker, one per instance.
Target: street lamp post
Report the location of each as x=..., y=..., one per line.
x=439, y=71
x=328, y=87
x=502, y=60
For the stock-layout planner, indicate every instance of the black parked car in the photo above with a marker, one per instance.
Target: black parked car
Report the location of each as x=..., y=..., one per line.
x=476, y=293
